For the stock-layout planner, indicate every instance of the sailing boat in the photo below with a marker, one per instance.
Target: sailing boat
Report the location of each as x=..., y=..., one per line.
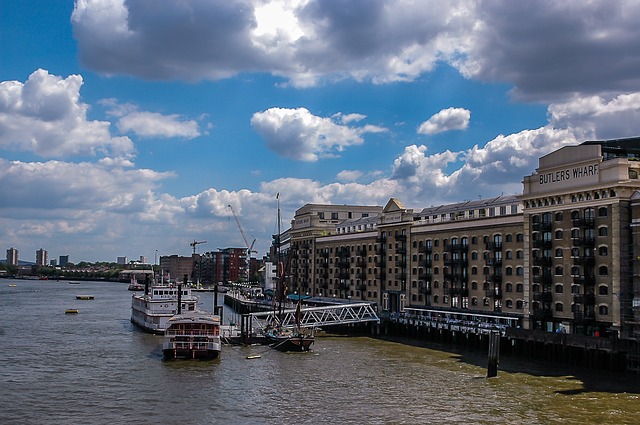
x=280, y=338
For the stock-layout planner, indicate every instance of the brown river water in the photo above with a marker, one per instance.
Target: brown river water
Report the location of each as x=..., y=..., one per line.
x=96, y=368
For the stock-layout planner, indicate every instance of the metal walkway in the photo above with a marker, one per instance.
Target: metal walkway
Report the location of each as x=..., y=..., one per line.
x=313, y=317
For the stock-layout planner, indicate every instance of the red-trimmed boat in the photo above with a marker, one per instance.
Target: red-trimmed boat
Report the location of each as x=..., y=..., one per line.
x=192, y=335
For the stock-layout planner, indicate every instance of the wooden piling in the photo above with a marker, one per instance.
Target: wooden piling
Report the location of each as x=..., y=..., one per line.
x=494, y=354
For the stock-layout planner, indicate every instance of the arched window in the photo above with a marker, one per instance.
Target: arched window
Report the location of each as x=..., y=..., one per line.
x=559, y=252
x=508, y=271
x=559, y=307
x=435, y=299
x=559, y=234
x=575, y=271
x=509, y=287
x=559, y=289
x=603, y=271
x=602, y=211
x=603, y=290
x=603, y=251
x=559, y=216
x=519, y=271
x=602, y=231
x=603, y=310
x=509, y=304
x=559, y=271
x=519, y=287
x=474, y=270
x=474, y=301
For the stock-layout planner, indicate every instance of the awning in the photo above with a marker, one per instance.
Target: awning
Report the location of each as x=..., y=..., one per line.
x=296, y=297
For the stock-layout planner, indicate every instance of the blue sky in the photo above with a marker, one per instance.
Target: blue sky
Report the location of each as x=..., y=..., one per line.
x=128, y=127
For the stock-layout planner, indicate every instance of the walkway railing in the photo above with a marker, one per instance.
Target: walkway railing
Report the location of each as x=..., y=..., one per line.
x=313, y=317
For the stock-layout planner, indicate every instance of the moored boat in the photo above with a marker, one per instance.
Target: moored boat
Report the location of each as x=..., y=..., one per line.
x=71, y=311
x=193, y=335
x=84, y=297
x=282, y=338
x=289, y=339
x=152, y=309
x=134, y=285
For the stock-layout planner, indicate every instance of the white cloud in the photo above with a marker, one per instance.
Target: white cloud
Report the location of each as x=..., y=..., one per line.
x=153, y=124
x=446, y=120
x=45, y=116
x=300, y=135
x=349, y=175
x=349, y=118
x=597, y=117
x=57, y=185
x=548, y=52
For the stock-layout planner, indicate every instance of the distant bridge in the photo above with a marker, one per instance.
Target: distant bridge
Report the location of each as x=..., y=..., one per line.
x=313, y=317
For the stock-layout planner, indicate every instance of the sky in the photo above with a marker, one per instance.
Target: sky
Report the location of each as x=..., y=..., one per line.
x=128, y=127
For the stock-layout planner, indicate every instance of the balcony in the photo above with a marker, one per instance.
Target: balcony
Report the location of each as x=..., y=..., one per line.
x=585, y=299
x=424, y=289
x=587, y=222
x=542, y=313
x=586, y=241
x=543, y=261
x=424, y=249
x=494, y=246
x=542, y=244
x=544, y=297
x=544, y=226
x=588, y=261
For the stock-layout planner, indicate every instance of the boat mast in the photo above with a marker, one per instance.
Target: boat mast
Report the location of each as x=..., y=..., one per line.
x=280, y=283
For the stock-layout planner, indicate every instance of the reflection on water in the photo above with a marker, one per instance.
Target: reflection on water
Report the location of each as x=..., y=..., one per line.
x=95, y=367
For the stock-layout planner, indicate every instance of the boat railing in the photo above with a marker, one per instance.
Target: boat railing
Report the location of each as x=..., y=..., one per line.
x=187, y=345
x=179, y=332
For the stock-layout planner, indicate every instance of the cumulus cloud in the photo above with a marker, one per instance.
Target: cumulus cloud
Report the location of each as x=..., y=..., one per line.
x=44, y=115
x=81, y=186
x=304, y=41
x=150, y=124
x=300, y=135
x=153, y=124
x=349, y=175
x=548, y=52
x=446, y=120
x=599, y=117
x=557, y=50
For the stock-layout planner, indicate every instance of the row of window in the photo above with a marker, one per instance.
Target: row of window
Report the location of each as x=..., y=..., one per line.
x=579, y=197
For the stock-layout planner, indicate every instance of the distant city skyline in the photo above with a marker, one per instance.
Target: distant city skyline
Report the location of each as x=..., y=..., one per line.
x=128, y=129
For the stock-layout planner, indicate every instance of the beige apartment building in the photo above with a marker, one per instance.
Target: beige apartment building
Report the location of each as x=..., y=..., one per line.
x=562, y=256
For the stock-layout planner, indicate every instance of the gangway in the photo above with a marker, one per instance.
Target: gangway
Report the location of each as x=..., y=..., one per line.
x=313, y=317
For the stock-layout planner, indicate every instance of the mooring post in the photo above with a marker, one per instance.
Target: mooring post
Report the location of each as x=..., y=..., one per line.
x=494, y=354
x=244, y=328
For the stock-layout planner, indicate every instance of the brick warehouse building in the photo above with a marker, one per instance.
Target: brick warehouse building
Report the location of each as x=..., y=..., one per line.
x=562, y=256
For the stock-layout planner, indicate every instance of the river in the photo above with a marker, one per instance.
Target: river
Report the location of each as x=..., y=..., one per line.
x=96, y=368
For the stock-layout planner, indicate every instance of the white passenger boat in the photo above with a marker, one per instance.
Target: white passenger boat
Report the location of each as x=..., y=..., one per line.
x=192, y=335
x=152, y=309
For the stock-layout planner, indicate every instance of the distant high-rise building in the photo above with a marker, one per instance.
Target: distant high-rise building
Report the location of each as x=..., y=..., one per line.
x=12, y=256
x=53, y=262
x=143, y=260
x=121, y=260
x=64, y=260
x=42, y=257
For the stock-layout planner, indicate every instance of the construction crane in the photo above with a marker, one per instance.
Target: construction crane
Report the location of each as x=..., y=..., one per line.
x=194, y=244
x=244, y=238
